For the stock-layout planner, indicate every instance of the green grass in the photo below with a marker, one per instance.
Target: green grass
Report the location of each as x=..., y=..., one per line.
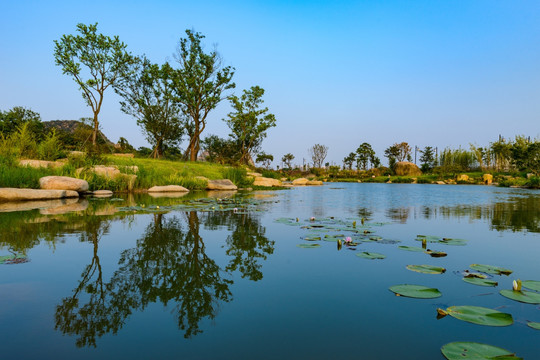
x=151, y=172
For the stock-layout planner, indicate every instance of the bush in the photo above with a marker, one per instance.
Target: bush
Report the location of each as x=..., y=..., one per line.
x=238, y=176
x=50, y=148
x=271, y=174
x=533, y=182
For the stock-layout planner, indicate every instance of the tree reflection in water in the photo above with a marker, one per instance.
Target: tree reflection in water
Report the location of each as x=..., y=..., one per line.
x=169, y=265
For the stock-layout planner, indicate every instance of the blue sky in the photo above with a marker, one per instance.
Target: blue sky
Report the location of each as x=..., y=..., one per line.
x=339, y=73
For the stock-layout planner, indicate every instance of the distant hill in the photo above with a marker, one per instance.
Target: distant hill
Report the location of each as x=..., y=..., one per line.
x=74, y=129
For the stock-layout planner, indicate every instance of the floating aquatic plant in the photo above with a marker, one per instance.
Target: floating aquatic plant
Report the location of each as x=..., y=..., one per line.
x=476, y=351
x=415, y=291
x=426, y=269
x=490, y=269
x=478, y=315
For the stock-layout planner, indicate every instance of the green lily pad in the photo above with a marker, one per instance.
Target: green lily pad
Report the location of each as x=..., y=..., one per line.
x=428, y=238
x=334, y=239
x=469, y=274
x=415, y=291
x=531, y=284
x=472, y=350
x=308, y=246
x=370, y=255
x=454, y=242
x=524, y=296
x=480, y=281
x=478, y=315
x=534, y=325
x=426, y=269
x=490, y=269
x=411, y=248
x=312, y=238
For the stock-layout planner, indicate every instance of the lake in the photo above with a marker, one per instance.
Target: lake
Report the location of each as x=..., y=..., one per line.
x=221, y=275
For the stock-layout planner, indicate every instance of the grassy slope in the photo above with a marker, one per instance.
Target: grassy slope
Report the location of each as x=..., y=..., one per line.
x=151, y=172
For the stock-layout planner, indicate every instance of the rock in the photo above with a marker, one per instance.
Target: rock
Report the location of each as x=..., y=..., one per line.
x=283, y=179
x=102, y=193
x=405, y=168
x=487, y=179
x=314, y=182
x=462, y=177
x=168, y=188
x=529, y=175
x=254, y=174
x=267, y=182
x=76, y=153
x=125, y=155
x=440, y=182
x=224, y=184
x=110, y=172
x=300, y=181
x=201, y=178
x=41, y=163
x=13, y=194
x=63, y=183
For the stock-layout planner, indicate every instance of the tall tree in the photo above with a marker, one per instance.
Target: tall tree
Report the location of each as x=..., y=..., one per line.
x=364, y=153
x=392, y=152
x=287, y=158
x=249, y=122
x=15, y=118
x=95, y=62
x=348, y=161
x=318, y=153
x=148, y=97
x=427, y=159
x=200, y=83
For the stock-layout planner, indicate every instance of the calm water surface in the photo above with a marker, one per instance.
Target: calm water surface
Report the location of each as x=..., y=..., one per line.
x=112, y=281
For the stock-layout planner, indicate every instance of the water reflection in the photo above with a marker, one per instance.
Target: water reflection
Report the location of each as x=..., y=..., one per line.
x=515, y=214
x=169, y=265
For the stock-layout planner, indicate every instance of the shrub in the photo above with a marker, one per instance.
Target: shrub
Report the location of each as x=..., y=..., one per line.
x=50, y=148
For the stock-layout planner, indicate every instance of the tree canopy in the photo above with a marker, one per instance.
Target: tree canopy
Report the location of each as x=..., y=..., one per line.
x=95, y=62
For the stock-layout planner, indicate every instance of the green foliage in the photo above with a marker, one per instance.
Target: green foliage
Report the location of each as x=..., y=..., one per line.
x=199, y=85
x=23, y=142
x=95, y=62
x=286, y=159
x=220, y=151
x=427, y=159
x=365, y=154
x=238, y=176
x=265, y=159
x=12, y=120
x=348, y=161
x=50, y=148
x=533, y=182
x=15, y=176
x=148, y=96
x=249, y=122
x=271, y=174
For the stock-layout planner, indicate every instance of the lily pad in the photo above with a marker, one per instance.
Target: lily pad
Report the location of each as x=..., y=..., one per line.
x=472, y=350
x=478, y=315
x=411, y=248
x=428, y=238
x=490, y=269
x=426, y=269
x=480, y=281
x=454, y=242
x=469, y=274
x=312, y=238
x=524, y=296
x=415, y=291
x=308, y=246
x=370, y=255
x=534, y=325
x=531, y=284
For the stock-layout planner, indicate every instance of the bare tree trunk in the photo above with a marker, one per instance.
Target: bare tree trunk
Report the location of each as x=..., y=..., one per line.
x=95, y=131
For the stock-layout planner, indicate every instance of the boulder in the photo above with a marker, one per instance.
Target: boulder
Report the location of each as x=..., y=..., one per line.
x=487, y=179
x=41, y=164
x=300, y=181
x=462, y=177
x=201, y=178
x=254, y=174
x=266, y=182
x=13, y=194
x=440, y=182
x=314, y=182
x=168, y=188
x=405, y=168
x=63, y=183
x=224, y=184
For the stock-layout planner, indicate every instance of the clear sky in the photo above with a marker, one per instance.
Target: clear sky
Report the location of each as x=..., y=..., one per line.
x=339, y=73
